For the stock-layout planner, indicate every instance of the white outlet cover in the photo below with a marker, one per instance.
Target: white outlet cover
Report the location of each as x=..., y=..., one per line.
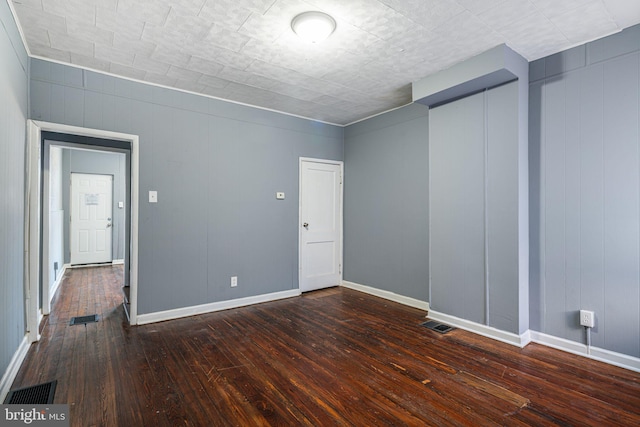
x=587, y=318
x=153, y=197
x=280, y=195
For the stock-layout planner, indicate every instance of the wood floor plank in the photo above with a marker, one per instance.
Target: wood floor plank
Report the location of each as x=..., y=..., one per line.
x=330, y=357
x=522, y=375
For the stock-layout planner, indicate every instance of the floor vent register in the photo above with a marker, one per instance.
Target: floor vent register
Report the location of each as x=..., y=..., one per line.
x=83, y=320
x=438, y=327
x=41, y=394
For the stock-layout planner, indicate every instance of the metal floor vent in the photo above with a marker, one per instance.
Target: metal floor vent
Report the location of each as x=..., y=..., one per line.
x=83, y=320
x=41, y=394
x=438, y=327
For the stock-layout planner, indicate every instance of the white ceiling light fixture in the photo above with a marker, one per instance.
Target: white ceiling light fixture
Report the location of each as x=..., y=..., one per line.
x=313, y=26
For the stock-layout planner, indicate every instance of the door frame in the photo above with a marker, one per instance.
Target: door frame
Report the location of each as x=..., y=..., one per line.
x=36, y=253
x=340, y=218
x=71, y=213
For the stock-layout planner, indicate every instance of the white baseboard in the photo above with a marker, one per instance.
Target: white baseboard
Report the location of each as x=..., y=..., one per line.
x=177, y=313
x=56, y=284
x=484, y=330
x=596, y=353
x=100, y=264
x=40, y=317
x=599, y=354
x=13, y=368
x=392, y=296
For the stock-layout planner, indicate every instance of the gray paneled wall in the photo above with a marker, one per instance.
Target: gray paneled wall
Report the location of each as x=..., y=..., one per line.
x=13, y=114
x=502, y=217
x=473, y=199
x=82, y=161
x=585, y=186
x=386, y=202
x=457, y=208
x=216, y=166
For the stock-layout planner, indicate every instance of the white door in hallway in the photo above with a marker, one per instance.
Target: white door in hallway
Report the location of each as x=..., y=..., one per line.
x=91, y=218
x=320, y=224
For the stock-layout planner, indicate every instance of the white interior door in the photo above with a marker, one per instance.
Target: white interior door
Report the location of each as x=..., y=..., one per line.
x=91, y=218
x=320, y=224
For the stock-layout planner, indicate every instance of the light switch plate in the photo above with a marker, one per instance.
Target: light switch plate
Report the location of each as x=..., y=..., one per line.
x=280, y=195
x=120, y=205
x=153, y=197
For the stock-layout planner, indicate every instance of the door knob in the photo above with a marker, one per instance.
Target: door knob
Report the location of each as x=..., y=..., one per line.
x=305, y=225
x=108, y=225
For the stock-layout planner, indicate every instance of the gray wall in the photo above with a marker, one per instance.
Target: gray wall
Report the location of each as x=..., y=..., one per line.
x=584, y=187
x=386, y=202
x=474, y=208
x=81, y=161
x=13, y=114
x=216, y=166
x=457, y=208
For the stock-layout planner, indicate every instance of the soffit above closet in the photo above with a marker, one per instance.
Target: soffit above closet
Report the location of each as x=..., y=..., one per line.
x=245, y=50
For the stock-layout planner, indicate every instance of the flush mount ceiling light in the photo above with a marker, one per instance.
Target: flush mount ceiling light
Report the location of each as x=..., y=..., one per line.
x=313, y=26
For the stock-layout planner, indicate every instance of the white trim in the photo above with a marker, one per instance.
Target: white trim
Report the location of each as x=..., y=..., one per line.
x=379, y=114
x=484, y=330
x=117, y=262
x=391, y=296
x=46, y=299
x=177, y=313
x=56, y=284
x=39, y=321
x=341, y=218
x=133, y=256
x=13, y=368
x=599, y=354
x=33, y=213
x=100, y=264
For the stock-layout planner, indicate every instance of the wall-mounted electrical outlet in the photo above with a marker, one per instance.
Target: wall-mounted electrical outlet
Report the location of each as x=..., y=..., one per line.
x=587, y=318
x=234, y=281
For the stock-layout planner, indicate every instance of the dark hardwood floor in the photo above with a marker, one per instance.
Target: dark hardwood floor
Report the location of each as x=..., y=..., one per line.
x=331, y=357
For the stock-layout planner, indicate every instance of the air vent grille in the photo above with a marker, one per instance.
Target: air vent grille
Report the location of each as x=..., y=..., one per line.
x=41, y=394
x=438, y=327
x=83, y=320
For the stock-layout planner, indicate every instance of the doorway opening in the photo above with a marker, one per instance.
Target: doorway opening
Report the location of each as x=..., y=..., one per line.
x=48, y=233
x=84, y=220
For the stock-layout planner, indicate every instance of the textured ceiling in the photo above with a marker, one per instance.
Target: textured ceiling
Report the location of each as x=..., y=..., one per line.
x=245, y=51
